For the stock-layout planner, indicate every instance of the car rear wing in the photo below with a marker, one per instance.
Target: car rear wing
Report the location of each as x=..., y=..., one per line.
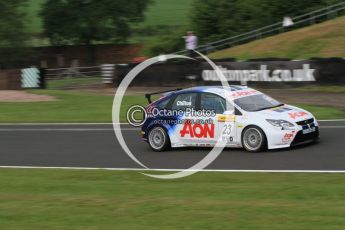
x=148, y=95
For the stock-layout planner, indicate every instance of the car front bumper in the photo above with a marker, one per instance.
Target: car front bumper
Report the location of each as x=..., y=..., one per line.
x=278, y=138
x=301, y=138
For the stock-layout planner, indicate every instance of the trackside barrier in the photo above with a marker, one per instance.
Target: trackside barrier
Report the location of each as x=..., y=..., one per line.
x=30, y=78
x=73, y=71
x=10, y=79
x=69, y=77
x=73, y=77
x=107, y=73
x=256, y=73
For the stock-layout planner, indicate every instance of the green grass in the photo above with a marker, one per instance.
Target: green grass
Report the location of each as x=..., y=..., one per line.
x=322, y=112
x=320, y=40
x=74, y=106
x=73, y=82
x=323, y=89
x=70, y=107
x=77, y=199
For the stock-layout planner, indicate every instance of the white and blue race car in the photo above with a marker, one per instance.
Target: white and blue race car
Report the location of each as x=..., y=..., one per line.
x=237, y=115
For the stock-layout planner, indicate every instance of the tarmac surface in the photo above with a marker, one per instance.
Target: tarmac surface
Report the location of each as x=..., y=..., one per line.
x=95, y=145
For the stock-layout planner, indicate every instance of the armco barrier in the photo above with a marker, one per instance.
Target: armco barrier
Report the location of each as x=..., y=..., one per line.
x=269, y=73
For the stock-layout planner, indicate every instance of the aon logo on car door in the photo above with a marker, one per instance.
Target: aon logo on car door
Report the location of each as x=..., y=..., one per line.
x=219, y=126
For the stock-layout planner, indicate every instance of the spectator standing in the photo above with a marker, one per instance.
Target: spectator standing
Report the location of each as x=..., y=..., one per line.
x=191, y=41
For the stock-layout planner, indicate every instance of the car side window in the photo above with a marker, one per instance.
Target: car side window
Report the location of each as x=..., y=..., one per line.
x=163, y=104
x=184, y=101
x=213, y=102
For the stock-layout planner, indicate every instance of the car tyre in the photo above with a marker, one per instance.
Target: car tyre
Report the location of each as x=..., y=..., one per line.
x=158, y=139
x=254, y=139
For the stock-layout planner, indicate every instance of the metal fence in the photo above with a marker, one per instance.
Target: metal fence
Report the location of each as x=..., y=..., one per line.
x=79, y=77
x=310, y=18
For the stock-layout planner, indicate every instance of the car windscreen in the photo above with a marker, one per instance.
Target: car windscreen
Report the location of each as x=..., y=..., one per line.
x=257, y=102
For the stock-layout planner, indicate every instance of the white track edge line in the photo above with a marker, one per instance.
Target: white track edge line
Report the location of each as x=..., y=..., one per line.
x=174, y=170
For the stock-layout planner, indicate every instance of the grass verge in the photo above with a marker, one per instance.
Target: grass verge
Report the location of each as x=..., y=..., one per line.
x=323, y=89
x=321, y=112
x=70, y=106
x=73, y=82
x=320, y=40
x=77, y=199
x=81, y=107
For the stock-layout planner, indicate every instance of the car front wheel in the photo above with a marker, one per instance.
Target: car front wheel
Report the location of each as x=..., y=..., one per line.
x=253, y=139
x=158, y=139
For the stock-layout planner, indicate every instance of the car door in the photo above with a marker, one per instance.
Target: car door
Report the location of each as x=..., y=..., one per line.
x=224, y=119
x=183, y=133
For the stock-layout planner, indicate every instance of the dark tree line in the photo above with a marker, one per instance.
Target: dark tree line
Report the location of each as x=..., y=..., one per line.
x=75, y=22
x=12, y=31
x=69, y=22
x=12, y=27
x=90, y=21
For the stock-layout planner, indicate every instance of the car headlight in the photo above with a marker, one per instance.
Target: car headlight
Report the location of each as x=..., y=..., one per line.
x=280, y=123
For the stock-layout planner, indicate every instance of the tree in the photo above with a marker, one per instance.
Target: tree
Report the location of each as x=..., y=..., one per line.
x=12, y=31
x=89, y=21
x=214, y=20
x=168, y=42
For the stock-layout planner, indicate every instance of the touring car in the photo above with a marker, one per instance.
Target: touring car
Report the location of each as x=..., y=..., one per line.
x=240, y=116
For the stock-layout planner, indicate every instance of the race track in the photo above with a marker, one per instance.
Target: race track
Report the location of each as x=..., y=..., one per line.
x=95, y=145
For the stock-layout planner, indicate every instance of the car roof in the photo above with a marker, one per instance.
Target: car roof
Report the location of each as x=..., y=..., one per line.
x=232, y=92
x=211, y=89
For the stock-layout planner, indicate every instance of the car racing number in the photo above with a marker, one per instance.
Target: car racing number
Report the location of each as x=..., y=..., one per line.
x=227, y=132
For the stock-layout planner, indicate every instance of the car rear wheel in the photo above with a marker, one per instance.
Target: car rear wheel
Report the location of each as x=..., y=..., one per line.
x=158, y=139
x=253, y=139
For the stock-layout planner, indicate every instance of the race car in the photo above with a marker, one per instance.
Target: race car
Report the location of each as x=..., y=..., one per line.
x=238, y=116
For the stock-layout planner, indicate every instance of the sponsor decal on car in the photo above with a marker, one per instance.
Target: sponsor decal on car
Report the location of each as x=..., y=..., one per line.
x=298, y=114
x=184, y=103
x=238, y=94
x=197, y=130
x=288, y=136
x=226, y=118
